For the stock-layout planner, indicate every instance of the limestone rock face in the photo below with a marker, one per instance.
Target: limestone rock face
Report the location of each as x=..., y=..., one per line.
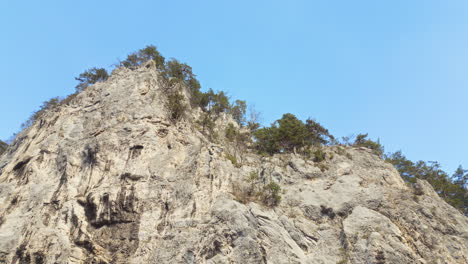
x=108, y=178
x=3, y=147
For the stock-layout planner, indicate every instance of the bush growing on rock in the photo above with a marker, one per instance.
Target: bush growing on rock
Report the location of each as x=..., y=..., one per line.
x=176, y=106
x=319, y=155
x=362, y=141
x=289, y=134
x=183, y=73
x=451, y=189
x=271, y=194
x=47, y=105
x=143, y=55
x=233, y=160
x=217, y=102
x=317, y=134
x=90, y=77
x=238, y=111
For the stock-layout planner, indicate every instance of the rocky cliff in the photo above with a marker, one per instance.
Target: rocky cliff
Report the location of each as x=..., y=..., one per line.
x=3, y=147
x=107, y=178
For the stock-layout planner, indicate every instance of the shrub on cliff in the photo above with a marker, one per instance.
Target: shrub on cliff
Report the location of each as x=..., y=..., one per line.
x=183, y=72
x=143, y=55
x=362, y=141
x=47, y=105
x=238, y=111
x=289, y=134
x=176, y=106
x=452, y=189
x=90, y=77
x=271, y=194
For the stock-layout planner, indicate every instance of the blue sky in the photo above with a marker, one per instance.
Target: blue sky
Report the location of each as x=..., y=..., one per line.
x=394, y=69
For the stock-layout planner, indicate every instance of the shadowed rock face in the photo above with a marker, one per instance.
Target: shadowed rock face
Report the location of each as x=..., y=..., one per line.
x=108, y=179
x=3, y=147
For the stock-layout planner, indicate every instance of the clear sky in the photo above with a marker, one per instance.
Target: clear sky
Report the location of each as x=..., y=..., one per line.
x=395, y=69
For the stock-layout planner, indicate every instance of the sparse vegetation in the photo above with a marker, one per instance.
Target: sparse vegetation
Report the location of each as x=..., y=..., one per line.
x=239, y=140
x=362, y=141
x=289, y=134
x=252, y=191
x=271, y=194
x=206, y=122
x=233, y=159
x=47, y=105
x=238, y=111
x=319, y=155
x=176, y=106
x=148, y=53
x=90, y=77
x=452, y=189
x=253, y=176
x=323, y=167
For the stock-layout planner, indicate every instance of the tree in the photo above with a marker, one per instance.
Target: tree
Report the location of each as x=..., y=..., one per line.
x=90, y=77
x=151, y=53
x=238, y=138
x=183, y=73
x=289, y=134
x=460, y=177
x=362, y=141
x=317, y=134
x=292, y=133
x=405, y=167
x=178, y=70
x=47, y=105
x=453, y=190
x=266, y=140
x=238, y=110
x=176, y=106
x=148, y=53
x=220, y=103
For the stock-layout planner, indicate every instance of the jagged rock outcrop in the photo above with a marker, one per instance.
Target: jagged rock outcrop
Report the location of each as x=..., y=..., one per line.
x=3, y=147
x=108, y=178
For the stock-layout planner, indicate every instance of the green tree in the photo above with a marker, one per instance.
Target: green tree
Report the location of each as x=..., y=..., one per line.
x=292, y=133
x=151, y=53
x=148, y=53
x=460, y=177
x=220, y=103
x=207, y=123
x=289, y=134
x=238, y=138
x=362, y=141
x=405, y=167
x=317, y=134
x=183, y=73
x=266, y=140
x=271, y=194
x=451, y=189
x=90, y=77
x=47, y=105
x=238, y=111
x=176, y=106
